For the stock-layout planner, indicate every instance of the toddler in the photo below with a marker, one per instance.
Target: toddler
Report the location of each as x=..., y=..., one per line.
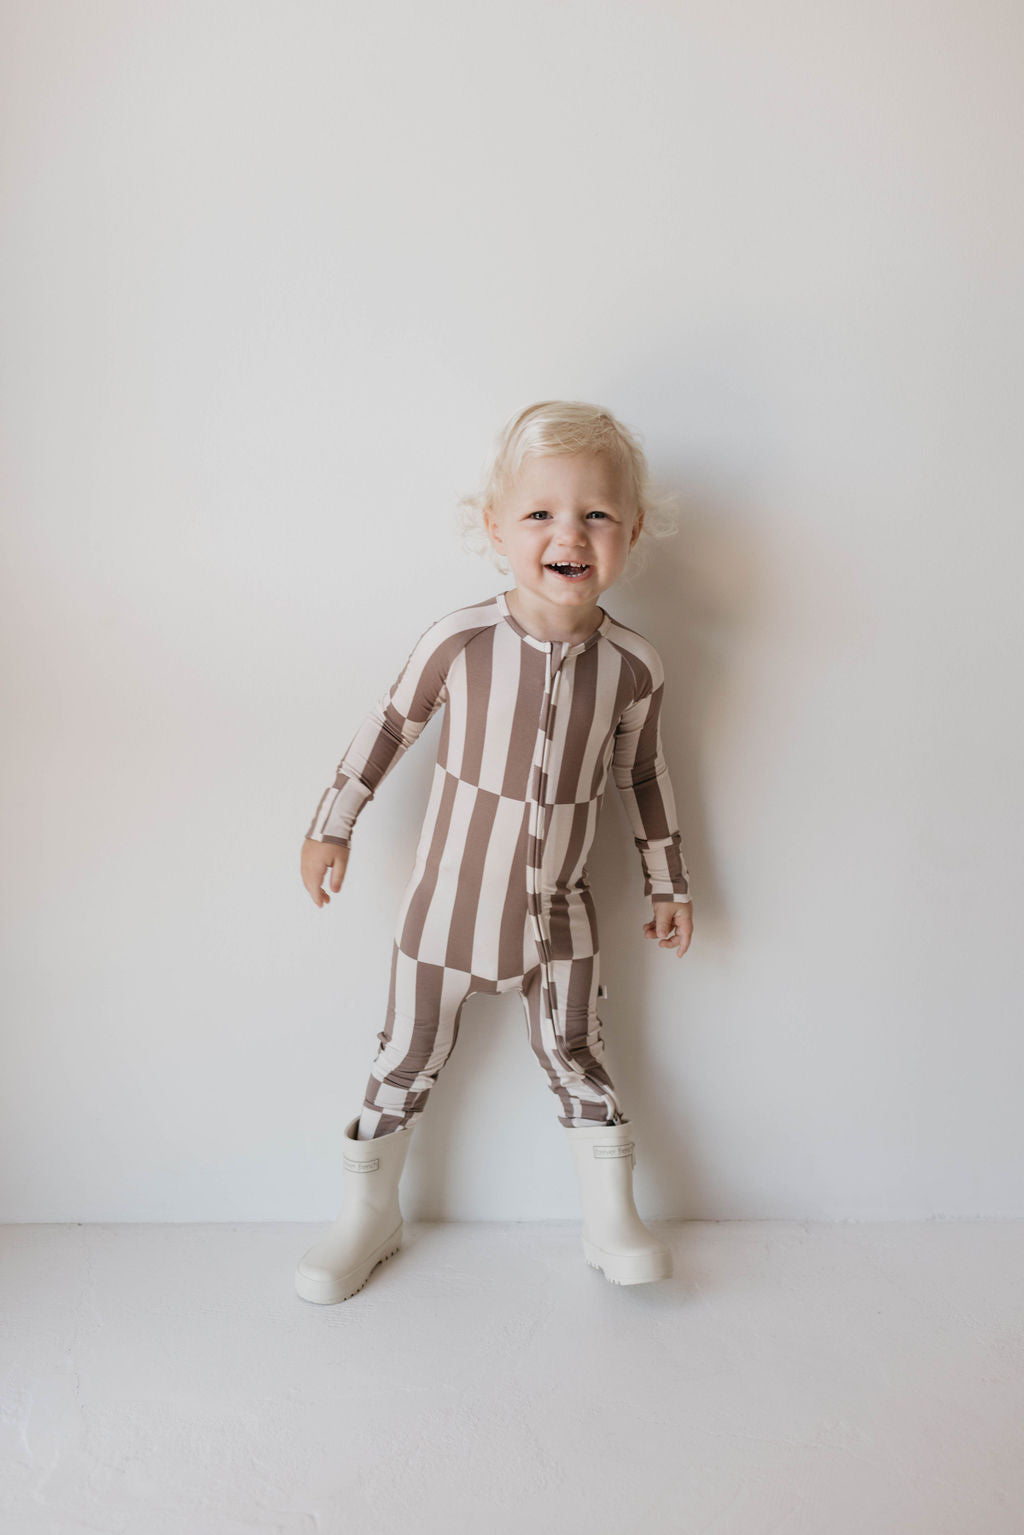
x=544, y=692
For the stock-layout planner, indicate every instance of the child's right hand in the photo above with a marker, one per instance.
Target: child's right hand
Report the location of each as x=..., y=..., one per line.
x=317, y=858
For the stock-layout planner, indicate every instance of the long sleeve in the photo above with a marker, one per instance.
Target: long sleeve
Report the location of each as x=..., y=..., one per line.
x=641, y=774
x=387, y=732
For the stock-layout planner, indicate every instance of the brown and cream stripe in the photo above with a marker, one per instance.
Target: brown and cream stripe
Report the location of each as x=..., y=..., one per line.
x=499, y=897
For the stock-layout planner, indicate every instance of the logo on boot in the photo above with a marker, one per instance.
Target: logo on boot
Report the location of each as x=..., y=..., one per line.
x=625, y=1150
x=353, y=1166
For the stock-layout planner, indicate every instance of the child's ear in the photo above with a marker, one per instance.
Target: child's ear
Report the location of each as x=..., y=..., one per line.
x=491, y=524
x=637, y=525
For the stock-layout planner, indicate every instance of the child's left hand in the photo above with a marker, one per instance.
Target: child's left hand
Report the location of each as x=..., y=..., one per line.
x=672, y=925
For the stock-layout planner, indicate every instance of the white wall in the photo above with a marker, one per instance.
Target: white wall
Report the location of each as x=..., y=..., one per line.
x=273, y=276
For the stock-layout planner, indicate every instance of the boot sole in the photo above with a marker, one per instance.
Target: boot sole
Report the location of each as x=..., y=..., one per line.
x=327, y=1292
x=624, y=1268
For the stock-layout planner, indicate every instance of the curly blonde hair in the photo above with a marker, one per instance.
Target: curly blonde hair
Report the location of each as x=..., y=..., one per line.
x=553, y=427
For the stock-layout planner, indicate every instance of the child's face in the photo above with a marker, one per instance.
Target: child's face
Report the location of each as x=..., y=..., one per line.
x=566, y=507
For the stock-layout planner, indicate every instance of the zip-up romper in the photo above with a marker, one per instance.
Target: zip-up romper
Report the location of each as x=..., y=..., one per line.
x=499, y=898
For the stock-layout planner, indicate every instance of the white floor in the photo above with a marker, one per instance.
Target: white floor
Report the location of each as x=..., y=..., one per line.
x=789, y=1380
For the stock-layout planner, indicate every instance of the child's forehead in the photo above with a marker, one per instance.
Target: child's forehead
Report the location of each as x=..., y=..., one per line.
x=589, y=472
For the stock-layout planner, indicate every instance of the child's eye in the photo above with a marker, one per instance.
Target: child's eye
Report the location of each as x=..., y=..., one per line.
x=541, y=513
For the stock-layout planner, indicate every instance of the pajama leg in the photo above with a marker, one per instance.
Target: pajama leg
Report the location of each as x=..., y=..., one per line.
x=422, y=1024
x=565, y=1035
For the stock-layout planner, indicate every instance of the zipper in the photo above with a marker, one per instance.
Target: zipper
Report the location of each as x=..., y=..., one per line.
x=552, y=678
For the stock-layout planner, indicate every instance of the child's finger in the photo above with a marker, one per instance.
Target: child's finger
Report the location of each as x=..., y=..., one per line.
x=676, y=938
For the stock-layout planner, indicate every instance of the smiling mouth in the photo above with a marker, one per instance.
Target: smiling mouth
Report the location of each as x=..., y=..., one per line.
x=570, y=572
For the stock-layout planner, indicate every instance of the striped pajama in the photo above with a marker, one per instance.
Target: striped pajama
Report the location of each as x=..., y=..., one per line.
x=499, y=899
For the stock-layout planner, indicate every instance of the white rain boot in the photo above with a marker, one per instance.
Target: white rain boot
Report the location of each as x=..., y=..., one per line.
x=615, y=1239
x=369, y=1228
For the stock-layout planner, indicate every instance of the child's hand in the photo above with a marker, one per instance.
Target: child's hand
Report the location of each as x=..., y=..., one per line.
x=317, y=858
x=672, y=925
